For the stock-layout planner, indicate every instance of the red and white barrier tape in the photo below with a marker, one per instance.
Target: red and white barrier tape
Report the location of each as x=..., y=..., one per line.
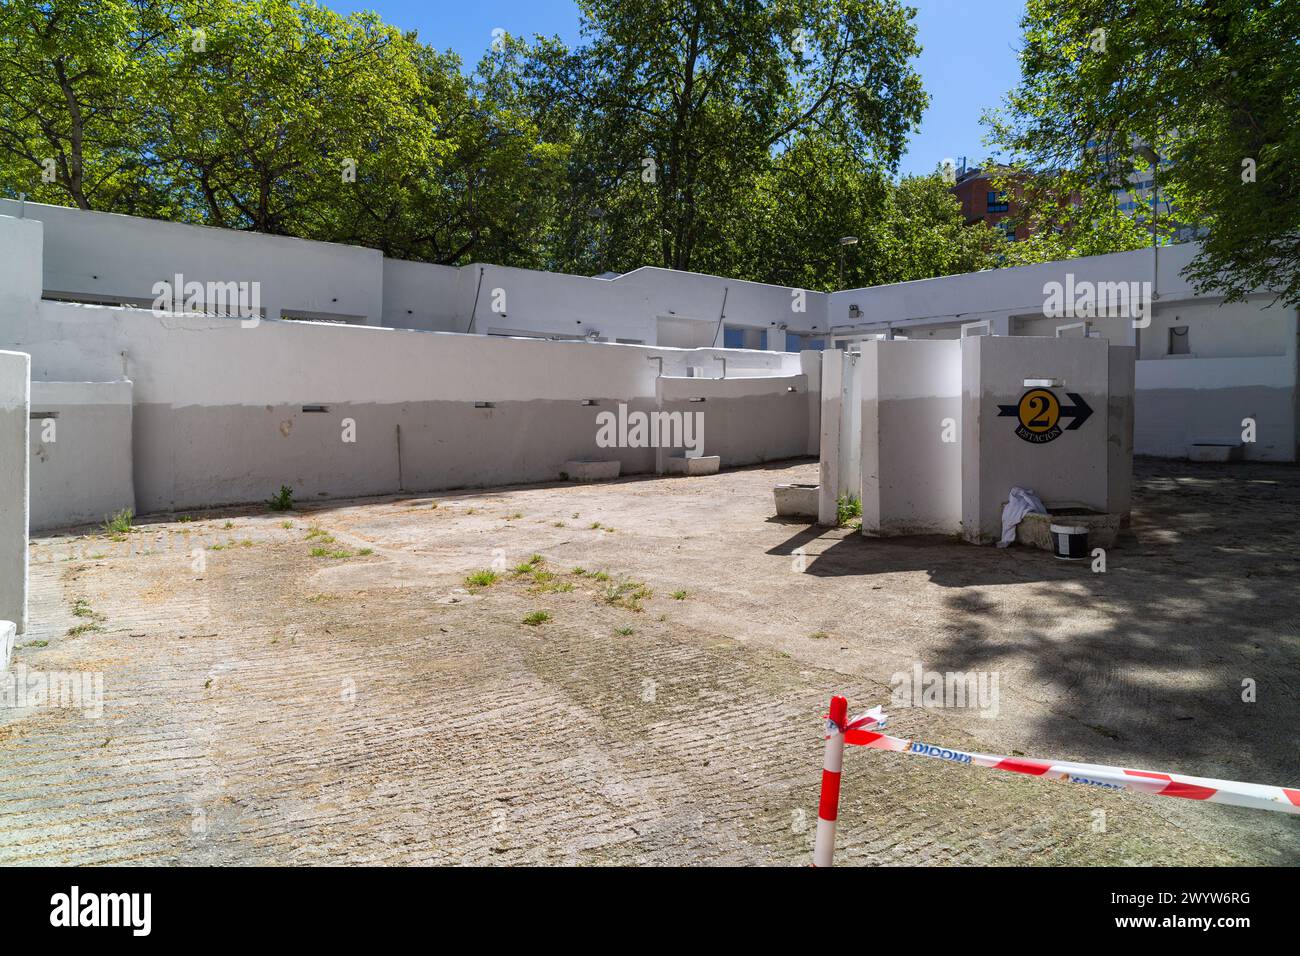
x=864, y=731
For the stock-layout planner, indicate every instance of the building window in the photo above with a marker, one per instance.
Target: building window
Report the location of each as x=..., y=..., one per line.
x=1179, y=342
x=997, y=201
x=1008, y=231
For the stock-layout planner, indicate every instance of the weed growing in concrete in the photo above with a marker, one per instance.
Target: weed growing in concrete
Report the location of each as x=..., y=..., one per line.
x=366, y=552
x=544, y=582
x=627, y=594
x=482, y=579
x=537, y=617
x=625, y=631
x=286, y=524
x=37, y=644
x=327, y=553
x=119, y=524
x=529, y=566
x=282, y=500
x=819, y=635
x=679, y=595
x=847, y=508
x=90, y=618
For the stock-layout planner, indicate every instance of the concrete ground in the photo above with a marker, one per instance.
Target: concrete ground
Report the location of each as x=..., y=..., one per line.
x=363, y=705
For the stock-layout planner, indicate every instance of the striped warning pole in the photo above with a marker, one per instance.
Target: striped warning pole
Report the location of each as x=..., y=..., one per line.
x=829, y=807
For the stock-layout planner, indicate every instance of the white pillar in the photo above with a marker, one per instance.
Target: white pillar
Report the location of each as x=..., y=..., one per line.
x=15, y=409
x=832, y=386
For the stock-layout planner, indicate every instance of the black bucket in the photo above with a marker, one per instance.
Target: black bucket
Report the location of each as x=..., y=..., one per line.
x=1069, y=542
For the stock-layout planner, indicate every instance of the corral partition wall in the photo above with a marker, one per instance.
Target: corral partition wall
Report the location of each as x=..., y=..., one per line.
x=224, y=413
x=949, y=427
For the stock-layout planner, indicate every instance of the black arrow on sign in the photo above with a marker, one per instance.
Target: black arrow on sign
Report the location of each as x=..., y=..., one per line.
x=1080, y=411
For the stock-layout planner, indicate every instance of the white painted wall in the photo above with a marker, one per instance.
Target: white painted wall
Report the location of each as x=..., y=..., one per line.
x=1074, y=468
x=218, y=414
x=104, y=257
x=911, y=477
x=81, y=452
x=1180, y=402
x=1231, y=374
x=108, y=257
x=15, y=400
x=998, y=294
x=648, y=305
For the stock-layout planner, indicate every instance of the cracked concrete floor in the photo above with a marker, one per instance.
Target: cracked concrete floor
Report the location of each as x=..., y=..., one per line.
x=264, y=705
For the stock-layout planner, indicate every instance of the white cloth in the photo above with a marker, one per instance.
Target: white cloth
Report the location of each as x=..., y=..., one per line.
x=1020, y=502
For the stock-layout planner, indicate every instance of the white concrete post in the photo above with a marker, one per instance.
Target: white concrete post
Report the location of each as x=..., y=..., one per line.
x=832, y=385
x=15, y=410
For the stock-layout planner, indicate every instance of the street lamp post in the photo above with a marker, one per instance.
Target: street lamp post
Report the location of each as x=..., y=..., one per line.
x=845, y=241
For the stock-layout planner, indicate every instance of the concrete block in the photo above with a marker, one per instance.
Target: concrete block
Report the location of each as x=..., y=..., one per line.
x=796, y=501
x=592, y=469
x=703, y=465
x=8, y=633
x=1034, y=531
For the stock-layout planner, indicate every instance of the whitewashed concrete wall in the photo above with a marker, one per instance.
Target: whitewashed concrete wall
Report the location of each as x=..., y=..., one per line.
x=1243, y=354
x=419, y=295
x=222, y=413
x=1186, y=401
x=646, y=306
x=104, y=257
x=999, y=294
x=746, y=420
x=911, y=476
x=108, y=257
x=81, y=452
x=1074, y=468
x=15, y=401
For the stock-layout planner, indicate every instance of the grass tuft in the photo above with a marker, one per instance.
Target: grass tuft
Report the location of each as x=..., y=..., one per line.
x=848, y=508
x=282, y=500
x=119, y=524
x=482, y=579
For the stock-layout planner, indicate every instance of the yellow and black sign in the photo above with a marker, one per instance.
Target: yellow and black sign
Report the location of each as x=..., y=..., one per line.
x=1039, y=412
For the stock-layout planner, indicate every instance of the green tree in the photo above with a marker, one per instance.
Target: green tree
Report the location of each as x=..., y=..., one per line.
x=818, y=192
x=1067, y=214
x=679, y=107
x=72, y=83
x=1210, y=87
x=271, y=107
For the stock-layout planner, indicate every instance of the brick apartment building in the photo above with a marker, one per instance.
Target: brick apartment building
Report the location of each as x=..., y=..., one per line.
x=981, y=202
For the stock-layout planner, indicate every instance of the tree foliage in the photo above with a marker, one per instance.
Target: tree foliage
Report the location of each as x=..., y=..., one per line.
x=1210, y=86
x=741, y=137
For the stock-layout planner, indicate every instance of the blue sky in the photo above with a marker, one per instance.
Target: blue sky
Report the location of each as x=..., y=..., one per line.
x=968, y=62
